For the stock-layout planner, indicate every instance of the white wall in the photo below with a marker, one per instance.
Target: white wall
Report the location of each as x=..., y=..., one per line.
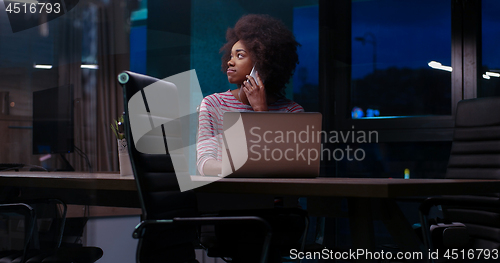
x=114, y=236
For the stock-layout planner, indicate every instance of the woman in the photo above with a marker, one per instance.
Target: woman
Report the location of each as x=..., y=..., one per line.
x=258, y=41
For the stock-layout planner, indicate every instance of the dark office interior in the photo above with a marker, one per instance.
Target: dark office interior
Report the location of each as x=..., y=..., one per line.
x=396, y=68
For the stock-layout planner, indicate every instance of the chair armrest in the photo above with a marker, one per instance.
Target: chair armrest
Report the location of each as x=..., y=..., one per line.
x=428, y=203
x=51, y=201
x=141, y=227
x=19, y=208
x=43, y=200
x=30, y=219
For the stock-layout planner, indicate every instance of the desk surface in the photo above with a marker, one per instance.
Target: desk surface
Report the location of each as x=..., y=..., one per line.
x=101, y=189
x=345, y=187
x=111, y=189
x=69, y=180
x=353, y=187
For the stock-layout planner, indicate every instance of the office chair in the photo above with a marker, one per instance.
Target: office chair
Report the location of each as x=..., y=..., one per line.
x=475, y=154
x=7, y=252
x=168, y=231
x=41, y=224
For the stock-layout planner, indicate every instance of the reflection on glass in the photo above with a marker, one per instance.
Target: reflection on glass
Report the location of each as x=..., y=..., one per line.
x=306, y=77
x=397, y=160
x=490, y=82
x=210, y=20
x=401, y=57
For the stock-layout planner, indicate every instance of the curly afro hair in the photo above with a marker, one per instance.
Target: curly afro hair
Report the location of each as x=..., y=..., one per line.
x=271, y=44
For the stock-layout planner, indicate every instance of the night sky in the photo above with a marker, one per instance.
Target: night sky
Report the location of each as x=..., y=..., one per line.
x=407, y=34
x=491, y=34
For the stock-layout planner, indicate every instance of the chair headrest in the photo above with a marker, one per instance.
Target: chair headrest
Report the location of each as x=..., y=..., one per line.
x=478, y=112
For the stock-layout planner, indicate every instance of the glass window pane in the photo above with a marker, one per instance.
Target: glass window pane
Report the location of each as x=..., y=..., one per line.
x=401, y=58
x=209, y=22
x=395, y=159
x=490, y=83
x=306, y=77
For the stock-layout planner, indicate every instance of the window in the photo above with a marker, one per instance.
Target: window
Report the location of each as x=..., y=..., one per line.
x=490, y=71
x=401, y=58
x=306, y=78
x=209, y=22
x=397, y=67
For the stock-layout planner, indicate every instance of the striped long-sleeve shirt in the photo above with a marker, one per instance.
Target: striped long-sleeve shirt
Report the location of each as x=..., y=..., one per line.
x=210, y=123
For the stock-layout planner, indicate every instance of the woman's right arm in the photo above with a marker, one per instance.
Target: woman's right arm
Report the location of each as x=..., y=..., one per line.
x=207, y=145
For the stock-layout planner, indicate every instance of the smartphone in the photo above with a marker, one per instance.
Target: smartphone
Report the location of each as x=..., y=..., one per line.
x=253, y=73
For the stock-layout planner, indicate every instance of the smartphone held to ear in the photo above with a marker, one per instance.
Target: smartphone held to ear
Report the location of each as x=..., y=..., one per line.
x=253, y=73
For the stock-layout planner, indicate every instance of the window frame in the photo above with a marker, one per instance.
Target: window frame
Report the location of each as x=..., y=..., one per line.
x=335, y=77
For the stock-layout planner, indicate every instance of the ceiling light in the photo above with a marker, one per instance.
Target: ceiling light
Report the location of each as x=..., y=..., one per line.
x=437, y=65
x=23, y=1
x=42, y=66
x=90, y=66
x=493, y=74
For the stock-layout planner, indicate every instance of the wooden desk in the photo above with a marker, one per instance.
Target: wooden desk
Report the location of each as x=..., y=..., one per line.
x=368, y=199
x=366, y=196
x=325, y=187
x=69, y=180
x=350, y=187
x=100, y=189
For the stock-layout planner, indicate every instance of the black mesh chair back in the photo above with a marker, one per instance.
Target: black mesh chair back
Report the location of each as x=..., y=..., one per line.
x=155, y=175
x=475, y=154
x=157, y=184
x=475, y=151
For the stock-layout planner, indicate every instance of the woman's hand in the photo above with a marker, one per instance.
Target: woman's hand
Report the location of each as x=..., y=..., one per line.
x=212, y=167
x=256, y=94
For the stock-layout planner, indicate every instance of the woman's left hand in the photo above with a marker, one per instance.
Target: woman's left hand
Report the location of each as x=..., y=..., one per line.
x=256, y=94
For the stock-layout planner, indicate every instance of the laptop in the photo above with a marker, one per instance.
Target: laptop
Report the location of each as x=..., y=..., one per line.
x=271, y=145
